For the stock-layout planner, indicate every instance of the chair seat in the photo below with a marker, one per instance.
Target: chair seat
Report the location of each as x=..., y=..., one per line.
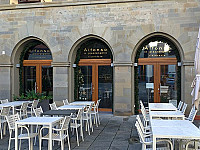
x=73, y=125
x=24, y=136
x=55, y=136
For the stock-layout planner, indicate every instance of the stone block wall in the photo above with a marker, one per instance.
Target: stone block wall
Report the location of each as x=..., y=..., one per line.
x=122, y=24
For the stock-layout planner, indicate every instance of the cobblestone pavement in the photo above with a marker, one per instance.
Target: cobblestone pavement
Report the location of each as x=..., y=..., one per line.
x=114, y=133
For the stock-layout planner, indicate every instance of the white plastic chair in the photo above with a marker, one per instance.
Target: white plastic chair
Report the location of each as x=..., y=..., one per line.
x=145, y=116
x=59, y=134
x=180, y=105
x=32, y=107
x=3, y=101
x=23, y=110
x=38, y=111
x=4, y=112
x=77, y=123
x=184, y=108
x=66, y=102
x=192, y=114
x=147, y=140
x=145, y=130
x=95, y=112
x=11, y=124
x=88, y=118
x=53, y=106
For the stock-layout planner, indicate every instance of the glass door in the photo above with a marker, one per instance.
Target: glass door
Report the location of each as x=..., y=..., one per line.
x=95, y=82
x=38, y=76
x=85, y=80
x=47, y=80
x=146, y=83
x=157, y=80
x=29, y=78
x=105, y=86
x=168, y=89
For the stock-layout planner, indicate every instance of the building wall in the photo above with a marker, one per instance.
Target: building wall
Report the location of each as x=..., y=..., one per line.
x=122, y=25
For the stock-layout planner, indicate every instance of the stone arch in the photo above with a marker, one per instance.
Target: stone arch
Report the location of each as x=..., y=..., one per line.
x=15, y=56
x=72, y=57
x=140, y=43
x=158, y=34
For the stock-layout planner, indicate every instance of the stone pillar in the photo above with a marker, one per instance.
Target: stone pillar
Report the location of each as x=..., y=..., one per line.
x=5, y=81
x=122, y=102
x=60, y=81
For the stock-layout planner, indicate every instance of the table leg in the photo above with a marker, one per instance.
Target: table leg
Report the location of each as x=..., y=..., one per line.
x=154, y=142
x=50, y=137
x=31, y=144
x=16, y=136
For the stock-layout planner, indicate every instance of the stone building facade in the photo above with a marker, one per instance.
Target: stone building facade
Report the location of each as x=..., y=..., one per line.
x=122, y=25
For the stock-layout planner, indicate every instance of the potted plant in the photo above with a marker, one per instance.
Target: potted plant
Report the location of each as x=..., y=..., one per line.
x=44, y=100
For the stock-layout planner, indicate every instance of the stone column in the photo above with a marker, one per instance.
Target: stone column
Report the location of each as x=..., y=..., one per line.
x=122, y=101
x=60, y=81
x=5, y=81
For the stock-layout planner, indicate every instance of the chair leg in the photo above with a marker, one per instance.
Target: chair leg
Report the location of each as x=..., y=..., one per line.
x=82, y=131
x=62, y=144
x=98, y=118
x=1, y=131
x=9, y=141
x=68, y=139
x=77, y=136
x=40, y=143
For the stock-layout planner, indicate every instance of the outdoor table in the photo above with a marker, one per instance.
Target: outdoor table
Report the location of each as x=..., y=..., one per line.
x=14, y=104
x=166, y=114
x=59, y=112
x=77, y=107
x=49, y=121
x=88, y=103
x=175, y=129
x=162, y=107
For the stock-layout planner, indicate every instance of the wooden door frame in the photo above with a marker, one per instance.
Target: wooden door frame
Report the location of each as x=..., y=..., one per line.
x=38, y=64
x=95, y=63
x=157, y=62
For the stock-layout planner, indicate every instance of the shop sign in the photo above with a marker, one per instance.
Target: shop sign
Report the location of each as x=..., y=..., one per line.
x=39, y=54
x=95, y=53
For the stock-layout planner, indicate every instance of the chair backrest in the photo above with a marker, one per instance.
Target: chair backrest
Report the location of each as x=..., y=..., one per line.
x=3, y=101
x=65, y=123
x=34, y=104
x=66, y=102
x=140, y=123
x=79, y=115
x=38, y=111
x=5, y=111
x=180, y=105
x=184, y=108
x=53, y=106
x=139, y=131
x=11, y=120
x=192, y=114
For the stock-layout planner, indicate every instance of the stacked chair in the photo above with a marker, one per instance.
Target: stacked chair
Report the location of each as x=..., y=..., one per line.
x=145, y=135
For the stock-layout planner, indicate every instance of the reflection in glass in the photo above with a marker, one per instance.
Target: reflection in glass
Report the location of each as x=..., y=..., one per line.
x=29, y=81
x=85, y=82
x=146, y=83
x=105, y=86
x=168, y=89
x=47, y=80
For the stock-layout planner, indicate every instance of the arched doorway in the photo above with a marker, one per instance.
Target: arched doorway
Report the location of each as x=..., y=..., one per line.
x=158, y=73
x=36, y=72
x=93, y=74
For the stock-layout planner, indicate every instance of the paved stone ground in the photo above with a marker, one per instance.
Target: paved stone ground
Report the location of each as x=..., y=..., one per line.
x=114, y=133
